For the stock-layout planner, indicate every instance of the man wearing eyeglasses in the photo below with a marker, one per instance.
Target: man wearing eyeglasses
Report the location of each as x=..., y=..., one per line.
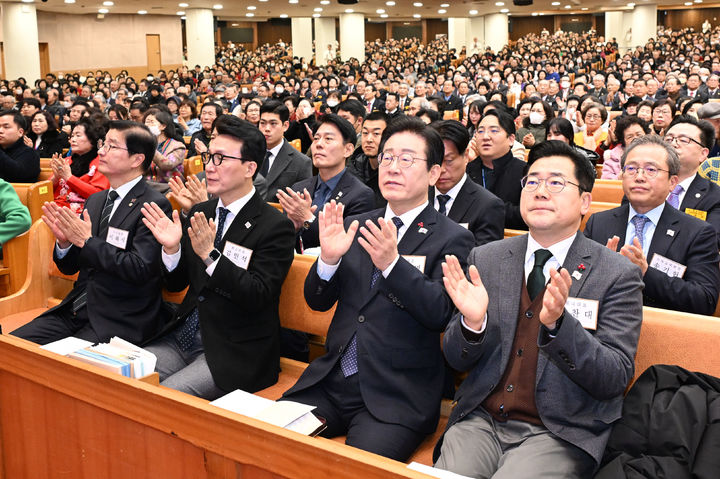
x=547, y=329
x=697, y=196
x=381, y=380
x=677, y=253
x=118, y=291
x=233, y=252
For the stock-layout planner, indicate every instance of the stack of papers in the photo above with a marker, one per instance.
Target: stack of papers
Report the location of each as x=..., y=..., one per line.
x=118, y=356
x=286, y=414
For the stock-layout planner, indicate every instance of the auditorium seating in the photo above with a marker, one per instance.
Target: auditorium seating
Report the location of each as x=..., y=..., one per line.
x=192, y=166
x=297, y=144
x=608, y=191
x=34, y=196
x=13, y=265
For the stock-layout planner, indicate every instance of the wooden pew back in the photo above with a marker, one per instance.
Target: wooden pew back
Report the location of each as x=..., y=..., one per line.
x=608, y=191
x=192, y=166
x=34, y=196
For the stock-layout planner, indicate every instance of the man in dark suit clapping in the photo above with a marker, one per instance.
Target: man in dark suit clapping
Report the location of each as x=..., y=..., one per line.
x=381, y=380
x=233, y=252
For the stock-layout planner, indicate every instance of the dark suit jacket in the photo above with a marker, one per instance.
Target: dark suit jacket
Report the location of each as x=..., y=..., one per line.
x=378, y=105
x=238, y=308
x=681, y=238
x=581, y=374
x=453, y=103
x=704, y=195
x=289, y=167
x=123, y=286
x=480, y=211
x=699, y=93
x=508, y=173
x=350, y=191
x=19, y=163
x=398, y=322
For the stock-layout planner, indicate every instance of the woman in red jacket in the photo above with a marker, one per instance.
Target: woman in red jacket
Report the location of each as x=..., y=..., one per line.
x=77, y=177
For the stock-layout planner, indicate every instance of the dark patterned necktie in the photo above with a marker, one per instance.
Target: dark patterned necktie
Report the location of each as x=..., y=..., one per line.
x=442, y=203
x=536, y=279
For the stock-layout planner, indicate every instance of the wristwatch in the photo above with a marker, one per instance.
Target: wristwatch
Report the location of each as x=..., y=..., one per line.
x=307, y=223
x=212, y=257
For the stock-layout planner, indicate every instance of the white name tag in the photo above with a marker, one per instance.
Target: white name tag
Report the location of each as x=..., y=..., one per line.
x=465, y=225
x=668, y=266
x=239, y=255
x=584, y=310
x=417, y=261
x=117, y=237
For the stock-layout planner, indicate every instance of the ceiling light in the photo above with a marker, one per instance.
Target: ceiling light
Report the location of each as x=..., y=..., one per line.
x=555, y=4
x=108, y=4
x=292, y=1
x=380, y=10
x=176, y=13
x=444, y=5
x=567, y=7
x=316, y=15
x=217, y=6
x=283, y=15
x=499, y=4
x=441, y=11
x=698, y=1
x=584, y=8
x=504, y=10
x=534, y=14
x=263, y=1
x=384, y=15
x=183, y=17
x=417, y=4
x=324, y=2
x=473, y=12
x=417, y=15
x=142, y=12
x=69, y=1
x=252, y=7
x=235, y=24
x=28, y=1
x=349, y=10
x=391, y=3
x=183, y=5
x=318, y=9
x=631, y=5
x=101, y=10
x=249, y=14
x=687, y=4
x=541, y=14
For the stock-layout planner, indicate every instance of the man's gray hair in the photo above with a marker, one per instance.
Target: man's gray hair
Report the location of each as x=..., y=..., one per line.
x=671, y=155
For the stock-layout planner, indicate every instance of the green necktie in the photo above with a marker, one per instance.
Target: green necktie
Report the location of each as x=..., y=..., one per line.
x=536, y=279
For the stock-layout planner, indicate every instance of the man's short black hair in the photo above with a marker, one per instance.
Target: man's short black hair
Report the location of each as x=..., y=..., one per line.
x=138, y=139
x=454, y=132
x=434, y=147
x=276, y=107
x=253, y=147
x=346, y=129
x=31, y=101
x=394, y=95
x=376, y=116
x=584, y=170
x=18, y=119
x=428, y=112
x=504, y=120
x=354, y=107
x=707, y=131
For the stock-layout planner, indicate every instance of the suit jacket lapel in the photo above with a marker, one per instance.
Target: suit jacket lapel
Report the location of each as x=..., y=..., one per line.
x=243, y=223
x=128, y=203
x=694, y=194
x=341, y=189
x=279, y=163
x=461, y=203
x=94, y=208
x=662, y=238
x=508, y=289
x=420, y=230
x=620, y=219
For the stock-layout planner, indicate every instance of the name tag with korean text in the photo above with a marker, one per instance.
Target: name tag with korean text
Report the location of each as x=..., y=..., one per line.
x=668, y=266
x=697, y=213
x=117, y=237
x=239, y=255
x=417, y=261
x=584, y=310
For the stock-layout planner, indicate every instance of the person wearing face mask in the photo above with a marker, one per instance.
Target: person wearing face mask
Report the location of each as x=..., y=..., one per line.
x=170, y=153
x=279, y=92
x=535, y=124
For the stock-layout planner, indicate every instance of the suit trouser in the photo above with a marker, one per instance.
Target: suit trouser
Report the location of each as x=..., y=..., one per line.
x=185, y=371
x=339, y=402
x=481, y=447
x=57, y=325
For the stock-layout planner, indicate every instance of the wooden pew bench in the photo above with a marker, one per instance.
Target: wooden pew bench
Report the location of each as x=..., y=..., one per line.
x=608, y=191
x=34, y=196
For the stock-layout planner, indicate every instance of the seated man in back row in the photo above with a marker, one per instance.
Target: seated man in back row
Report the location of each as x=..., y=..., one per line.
x=118, y=291
x=677, y=253
x=381, y=380
x=19, y=163
x=547, y=363
x=233, y=252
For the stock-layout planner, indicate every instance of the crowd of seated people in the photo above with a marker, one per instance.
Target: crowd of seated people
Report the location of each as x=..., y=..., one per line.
x=392, y=168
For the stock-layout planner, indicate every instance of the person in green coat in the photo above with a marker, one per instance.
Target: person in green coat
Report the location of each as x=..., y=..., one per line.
x=14, y=216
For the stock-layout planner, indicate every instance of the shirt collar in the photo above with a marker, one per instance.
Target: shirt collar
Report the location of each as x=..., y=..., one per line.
x=274, y=151
x=686, y=182
x=653, y=215
x=125, y=188
x=332, y=182
x=559, y=250
x=407, y=218
x=236, y=205
x=453, y=192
